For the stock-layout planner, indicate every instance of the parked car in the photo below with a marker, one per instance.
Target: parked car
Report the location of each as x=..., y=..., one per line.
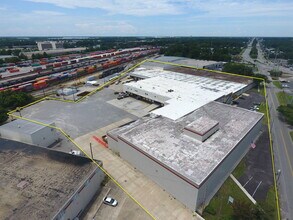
x=110, y=201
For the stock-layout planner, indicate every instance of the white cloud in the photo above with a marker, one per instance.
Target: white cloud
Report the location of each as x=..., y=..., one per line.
x=47, y=13
x=127, y=7
x=242, y=8
x=214, y=8
x=106, y=28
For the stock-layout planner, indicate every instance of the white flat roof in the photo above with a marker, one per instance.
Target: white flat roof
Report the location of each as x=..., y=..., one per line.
x=189, y=92
x=164, y=139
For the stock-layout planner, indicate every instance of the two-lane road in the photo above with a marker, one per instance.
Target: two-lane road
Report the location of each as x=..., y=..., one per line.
x=282, y=144
x=283, y=151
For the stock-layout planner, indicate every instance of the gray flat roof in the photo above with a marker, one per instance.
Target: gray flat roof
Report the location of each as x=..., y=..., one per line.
x=23, y=126
x=35, y=182
x=202, y=125
x=163, y=140
x=188, y=61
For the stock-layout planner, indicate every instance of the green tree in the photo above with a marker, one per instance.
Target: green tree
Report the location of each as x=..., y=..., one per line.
x=238, y=68
x=287, y=112
x=10, y=100
x=3, y=115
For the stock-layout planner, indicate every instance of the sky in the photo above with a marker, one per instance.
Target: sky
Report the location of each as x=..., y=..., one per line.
x=146, y=18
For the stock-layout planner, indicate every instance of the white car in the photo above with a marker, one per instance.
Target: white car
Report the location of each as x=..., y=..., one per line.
x=75, y=152
x=110, y=201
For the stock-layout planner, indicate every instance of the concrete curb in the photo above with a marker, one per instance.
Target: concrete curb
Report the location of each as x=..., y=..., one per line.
x=243, y=189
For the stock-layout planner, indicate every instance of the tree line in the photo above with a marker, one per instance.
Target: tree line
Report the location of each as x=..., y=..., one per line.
x=253, y=53
x=10, y=100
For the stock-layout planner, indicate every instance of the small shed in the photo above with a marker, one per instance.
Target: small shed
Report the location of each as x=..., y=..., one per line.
x=29, y=132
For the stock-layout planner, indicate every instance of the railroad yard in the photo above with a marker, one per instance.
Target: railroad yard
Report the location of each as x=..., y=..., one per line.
x=34, y=75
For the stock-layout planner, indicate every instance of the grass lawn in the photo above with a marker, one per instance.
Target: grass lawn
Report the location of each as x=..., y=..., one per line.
x=262, y=109
x=239, y=170
x=284, y=98
x=291, y=135
x=219, y=207
x=277, y=84
x=259, y=90
x=269, y=205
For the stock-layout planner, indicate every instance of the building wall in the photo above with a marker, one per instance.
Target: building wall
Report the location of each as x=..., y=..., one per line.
x=113, y=143
x=177, y=187
x=214, y=66
x=44, y=137
x=222, y=172
x=146, y=94
x=44, y=46
x=80, y=199
x=15, y=136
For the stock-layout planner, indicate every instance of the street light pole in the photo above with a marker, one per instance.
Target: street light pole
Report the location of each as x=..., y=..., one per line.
x=278, y=174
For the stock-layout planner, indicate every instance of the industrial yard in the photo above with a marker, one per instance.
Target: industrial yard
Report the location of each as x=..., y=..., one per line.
x=35, y=75
x=131, y=123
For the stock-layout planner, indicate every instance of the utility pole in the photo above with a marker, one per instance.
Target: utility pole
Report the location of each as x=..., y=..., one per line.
x=91, y=151
x=278, y=174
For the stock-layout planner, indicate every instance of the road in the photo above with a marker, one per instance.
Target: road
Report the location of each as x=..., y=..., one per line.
x=246, y=52
x=282, y=144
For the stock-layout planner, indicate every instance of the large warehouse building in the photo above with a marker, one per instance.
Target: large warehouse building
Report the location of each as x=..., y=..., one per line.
x=191, y=144
x=192, y=156
x=201, y=64
x=38, y=183
x=180, y=93
x=49, y=45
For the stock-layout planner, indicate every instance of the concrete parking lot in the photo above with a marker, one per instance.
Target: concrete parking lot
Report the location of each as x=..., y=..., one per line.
x=81, y=118
x=258, y=176
x=248, y=101
x=126, y=208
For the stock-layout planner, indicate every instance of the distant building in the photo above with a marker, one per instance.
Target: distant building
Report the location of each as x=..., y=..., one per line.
x=29, y=133
x=38, y=183
x=56, y=51
x=49, y=45
x=201, y=64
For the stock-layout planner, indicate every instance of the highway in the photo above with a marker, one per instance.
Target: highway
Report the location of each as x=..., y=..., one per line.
x=282, y=144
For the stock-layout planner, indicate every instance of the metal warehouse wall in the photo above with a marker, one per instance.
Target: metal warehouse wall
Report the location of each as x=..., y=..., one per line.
x=81, y=198
x=215, y=181
x=44, y=137
x=146, y=94
x=15, y=136
x=177, y=187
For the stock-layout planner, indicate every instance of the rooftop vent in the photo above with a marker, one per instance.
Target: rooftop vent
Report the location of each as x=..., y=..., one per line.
x=202, y=128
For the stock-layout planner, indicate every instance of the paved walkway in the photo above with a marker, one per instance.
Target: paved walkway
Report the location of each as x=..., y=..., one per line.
x=158, y=202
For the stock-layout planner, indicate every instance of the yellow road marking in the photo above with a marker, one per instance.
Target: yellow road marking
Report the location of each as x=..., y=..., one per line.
x=127, y=71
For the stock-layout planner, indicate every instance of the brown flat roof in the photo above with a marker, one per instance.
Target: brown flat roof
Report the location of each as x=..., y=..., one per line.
x=210, y=74
x=35, y=182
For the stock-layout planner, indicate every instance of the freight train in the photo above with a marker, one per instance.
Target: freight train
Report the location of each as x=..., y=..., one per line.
x=63, y=71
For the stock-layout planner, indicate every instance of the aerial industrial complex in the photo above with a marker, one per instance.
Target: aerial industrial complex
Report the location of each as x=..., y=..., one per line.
x=188, y=137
